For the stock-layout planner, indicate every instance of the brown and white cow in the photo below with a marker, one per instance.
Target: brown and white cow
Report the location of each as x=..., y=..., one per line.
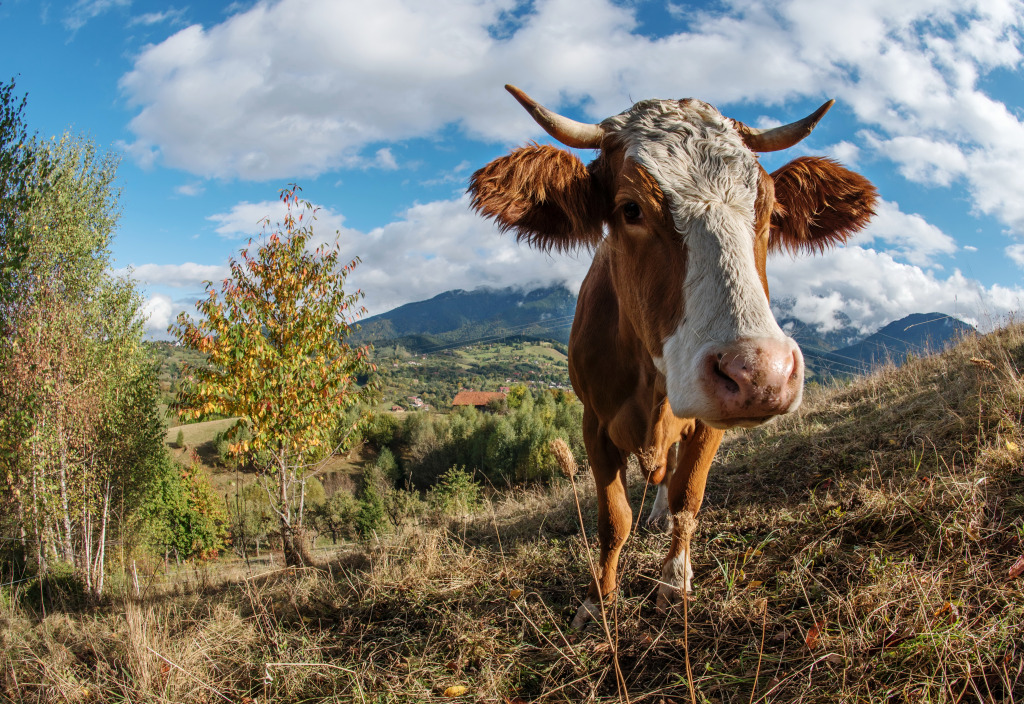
x=673, y=340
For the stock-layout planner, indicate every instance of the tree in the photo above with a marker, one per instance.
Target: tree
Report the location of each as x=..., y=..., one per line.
x=25, y=171
x=278, y=360
x=79, y=429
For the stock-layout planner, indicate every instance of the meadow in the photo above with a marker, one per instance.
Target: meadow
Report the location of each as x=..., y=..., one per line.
x=866, y=549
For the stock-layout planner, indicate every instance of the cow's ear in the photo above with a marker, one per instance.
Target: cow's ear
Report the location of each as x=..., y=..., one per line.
x=818, y=204
x=545, y=195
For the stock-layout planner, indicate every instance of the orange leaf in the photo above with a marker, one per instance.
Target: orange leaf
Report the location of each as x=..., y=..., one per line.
x=1018, y=567
x=814, y=633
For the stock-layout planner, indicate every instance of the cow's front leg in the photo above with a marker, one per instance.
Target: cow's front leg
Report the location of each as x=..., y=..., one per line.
x=614, y=515
x=685, y=495
x=660, y=516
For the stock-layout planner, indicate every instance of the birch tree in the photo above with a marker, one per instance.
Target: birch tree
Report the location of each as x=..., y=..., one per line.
x=78, y=424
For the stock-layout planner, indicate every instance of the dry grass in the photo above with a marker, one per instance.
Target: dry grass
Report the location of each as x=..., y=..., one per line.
x=857, y=552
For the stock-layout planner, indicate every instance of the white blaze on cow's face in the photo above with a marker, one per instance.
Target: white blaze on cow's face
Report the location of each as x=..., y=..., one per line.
x=700, y=245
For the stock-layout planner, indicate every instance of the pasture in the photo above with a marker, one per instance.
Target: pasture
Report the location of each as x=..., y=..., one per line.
x=865, y=549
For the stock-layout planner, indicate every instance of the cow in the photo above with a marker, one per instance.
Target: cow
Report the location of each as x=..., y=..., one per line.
x=673, y=340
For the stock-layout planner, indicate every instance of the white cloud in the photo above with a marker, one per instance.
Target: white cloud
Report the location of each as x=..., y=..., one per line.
x=1016, y=253
x=442, y=245
x=79, y=14
x=299, y=87
x=159, y=311
x=247, y=219
x=194, y=188
x=172, y=16
x=874, y=289
x=439, y=246
x=845, y=152
x=911, y=236
x=187, y=275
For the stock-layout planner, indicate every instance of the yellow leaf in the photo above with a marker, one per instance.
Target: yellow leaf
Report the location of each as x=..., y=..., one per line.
x=754, y=584
x=1011, y=446
x=515, y=594
x=456, y=690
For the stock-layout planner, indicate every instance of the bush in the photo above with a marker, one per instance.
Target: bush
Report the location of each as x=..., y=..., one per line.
x=179, y=441
x=456, y=494
x=371, y=517
x=62, y=587
x=380, y=431
x=336, y=516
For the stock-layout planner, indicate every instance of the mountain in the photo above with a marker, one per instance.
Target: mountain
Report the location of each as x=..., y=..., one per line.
x=455, y=318
x=916, y=335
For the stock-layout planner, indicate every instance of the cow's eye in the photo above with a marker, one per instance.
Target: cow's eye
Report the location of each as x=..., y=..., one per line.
x=632, y=212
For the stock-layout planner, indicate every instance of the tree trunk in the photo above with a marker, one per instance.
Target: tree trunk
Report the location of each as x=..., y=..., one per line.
x=99, y=566
x=295, y=543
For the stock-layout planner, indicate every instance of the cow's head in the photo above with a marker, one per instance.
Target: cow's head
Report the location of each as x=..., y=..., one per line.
x=688, y=217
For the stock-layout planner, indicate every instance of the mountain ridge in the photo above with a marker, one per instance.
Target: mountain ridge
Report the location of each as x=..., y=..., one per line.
x=458, y=317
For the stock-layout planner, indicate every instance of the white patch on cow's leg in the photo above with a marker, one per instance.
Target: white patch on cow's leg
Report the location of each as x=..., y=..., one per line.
x=677, y=572
x=659, y=515
x=588, y=611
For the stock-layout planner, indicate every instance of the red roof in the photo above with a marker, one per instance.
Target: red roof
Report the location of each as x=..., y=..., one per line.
x=476, y=398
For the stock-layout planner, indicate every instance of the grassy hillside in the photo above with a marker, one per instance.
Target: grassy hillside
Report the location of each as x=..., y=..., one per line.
x=859, y=551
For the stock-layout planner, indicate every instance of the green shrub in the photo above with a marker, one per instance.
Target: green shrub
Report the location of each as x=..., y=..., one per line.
x=336, y=516
x=62, y=587
x=456, y=493
x=380, y=431
x=179, y=441
x=371, y=517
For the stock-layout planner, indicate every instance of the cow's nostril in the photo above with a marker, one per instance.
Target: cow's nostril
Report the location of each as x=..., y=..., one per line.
x=728, y=382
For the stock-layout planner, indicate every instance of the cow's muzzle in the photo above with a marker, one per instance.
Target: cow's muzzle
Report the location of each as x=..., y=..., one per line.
x=751, y=380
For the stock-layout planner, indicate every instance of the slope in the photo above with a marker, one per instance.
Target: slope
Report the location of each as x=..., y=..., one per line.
x=861, y=550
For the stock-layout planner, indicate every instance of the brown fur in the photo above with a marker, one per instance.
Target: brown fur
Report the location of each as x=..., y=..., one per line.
x=632, y=299
x=818, y=204
x=543, y=194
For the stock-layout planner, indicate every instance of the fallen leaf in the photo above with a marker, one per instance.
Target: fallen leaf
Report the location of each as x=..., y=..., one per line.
x=1011, y=446
x=515, y=594
x=946, y=609
x=1018, y=567
x=754, y=584
x=813, y=634
x=456, y=690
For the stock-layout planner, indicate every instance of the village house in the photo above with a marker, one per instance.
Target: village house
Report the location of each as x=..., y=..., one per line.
x=478, y=399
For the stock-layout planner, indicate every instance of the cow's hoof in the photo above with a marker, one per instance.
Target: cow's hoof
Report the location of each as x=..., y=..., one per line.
x=658, y=522
x=588, y=611
x=670, y=600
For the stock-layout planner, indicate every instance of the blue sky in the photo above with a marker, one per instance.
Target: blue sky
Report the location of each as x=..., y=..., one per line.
x=381, y=111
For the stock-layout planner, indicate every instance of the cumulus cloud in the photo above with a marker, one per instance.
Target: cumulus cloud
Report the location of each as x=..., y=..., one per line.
x=442, y=245
x=247, y=219
x=909, y=236
x=300, y=87
x=1016, y=253
x=187, y=275
x=874, y=289
x=191, y=189
x=439, y=246
x=159, y=311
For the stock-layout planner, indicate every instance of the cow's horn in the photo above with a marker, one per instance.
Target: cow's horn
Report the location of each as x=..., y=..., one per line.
x=784, y=137
x=579, y=135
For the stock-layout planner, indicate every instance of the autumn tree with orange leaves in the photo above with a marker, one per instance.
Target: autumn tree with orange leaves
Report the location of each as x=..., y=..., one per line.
x=278, y=360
